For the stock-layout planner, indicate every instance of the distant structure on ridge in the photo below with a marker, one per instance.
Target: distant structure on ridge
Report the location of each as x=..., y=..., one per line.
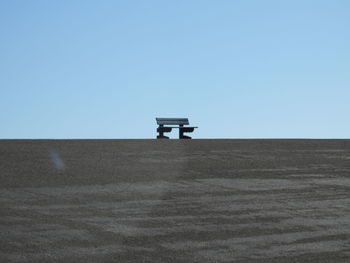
x=173, y=121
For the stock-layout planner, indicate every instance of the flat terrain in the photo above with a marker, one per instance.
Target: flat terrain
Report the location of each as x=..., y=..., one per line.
x=174, y=200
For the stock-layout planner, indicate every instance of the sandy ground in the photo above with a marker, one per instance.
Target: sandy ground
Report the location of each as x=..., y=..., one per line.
x=175, y=201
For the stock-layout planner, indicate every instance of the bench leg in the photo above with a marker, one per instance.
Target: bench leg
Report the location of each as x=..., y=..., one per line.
x=161, y=130
x=182, y=136
x=162, y=137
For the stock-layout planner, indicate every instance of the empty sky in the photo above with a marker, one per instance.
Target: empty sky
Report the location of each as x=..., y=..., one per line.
x=237, y=69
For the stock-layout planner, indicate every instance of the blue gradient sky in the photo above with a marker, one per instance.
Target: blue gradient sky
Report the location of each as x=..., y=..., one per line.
x=237, y=69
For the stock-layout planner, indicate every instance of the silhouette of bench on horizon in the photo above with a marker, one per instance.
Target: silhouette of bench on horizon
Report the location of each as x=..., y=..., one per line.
x=173, y=121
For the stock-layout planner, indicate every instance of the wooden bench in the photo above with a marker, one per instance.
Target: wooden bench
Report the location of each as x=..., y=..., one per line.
x=173, y=121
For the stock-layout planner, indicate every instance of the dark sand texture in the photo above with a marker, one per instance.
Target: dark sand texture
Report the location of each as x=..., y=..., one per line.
x=175, y=201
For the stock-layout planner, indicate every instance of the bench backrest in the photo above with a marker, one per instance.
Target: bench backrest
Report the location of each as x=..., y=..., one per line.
x=172, y=121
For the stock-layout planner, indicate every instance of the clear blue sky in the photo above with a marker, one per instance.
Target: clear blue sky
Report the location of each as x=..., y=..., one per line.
x=237, y=69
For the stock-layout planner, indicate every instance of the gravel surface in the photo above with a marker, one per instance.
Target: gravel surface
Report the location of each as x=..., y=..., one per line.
x=175, y=201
